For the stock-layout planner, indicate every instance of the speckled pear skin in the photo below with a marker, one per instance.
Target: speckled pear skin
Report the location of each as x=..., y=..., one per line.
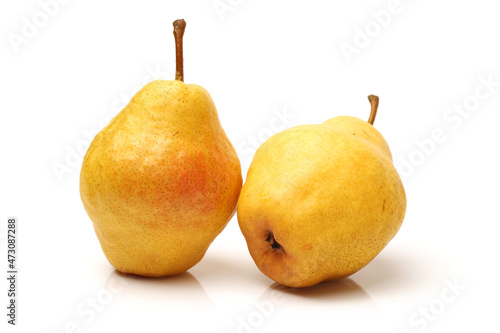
x=330, y=197
x=161, y=180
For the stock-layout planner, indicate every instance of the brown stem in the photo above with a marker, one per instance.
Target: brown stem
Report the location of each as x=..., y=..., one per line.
x=374, y=103
x=179, y=27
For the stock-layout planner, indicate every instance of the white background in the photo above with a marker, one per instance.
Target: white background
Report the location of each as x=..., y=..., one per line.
x=268, y=66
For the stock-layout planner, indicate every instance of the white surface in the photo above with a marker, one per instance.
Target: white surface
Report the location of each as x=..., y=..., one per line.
x=264, y=58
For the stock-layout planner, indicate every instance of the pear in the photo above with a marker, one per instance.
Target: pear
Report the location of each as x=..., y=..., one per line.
x=321, y=201
x=162, y=179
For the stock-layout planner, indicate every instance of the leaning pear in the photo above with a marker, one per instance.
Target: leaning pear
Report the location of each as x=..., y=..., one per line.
x=321, y=201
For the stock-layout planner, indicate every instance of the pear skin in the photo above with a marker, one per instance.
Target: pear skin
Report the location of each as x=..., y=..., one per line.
x=161, y=180
x=320, y=201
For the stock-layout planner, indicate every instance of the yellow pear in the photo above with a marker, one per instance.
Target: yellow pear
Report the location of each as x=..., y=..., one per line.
x=321, y=201
x=162, y=179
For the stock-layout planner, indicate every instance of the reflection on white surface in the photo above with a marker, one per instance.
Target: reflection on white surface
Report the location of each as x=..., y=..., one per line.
x=179, y=289
x=333, y=291
x=402, y=269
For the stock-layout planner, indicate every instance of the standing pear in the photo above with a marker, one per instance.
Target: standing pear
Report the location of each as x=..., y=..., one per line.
x=162, y=179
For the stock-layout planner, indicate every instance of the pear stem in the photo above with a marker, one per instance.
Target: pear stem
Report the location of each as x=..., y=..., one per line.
x=179, y=27
x=374, y=103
